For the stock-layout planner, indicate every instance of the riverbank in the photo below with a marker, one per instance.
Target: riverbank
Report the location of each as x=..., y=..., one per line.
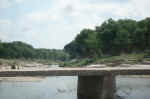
x=6, y=64
x=111, y=61
x=125, y=60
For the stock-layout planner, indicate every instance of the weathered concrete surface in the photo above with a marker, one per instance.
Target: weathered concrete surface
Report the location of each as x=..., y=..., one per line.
x=77, y=71
x=109, y=87
x=96, y=87
x=90, y=87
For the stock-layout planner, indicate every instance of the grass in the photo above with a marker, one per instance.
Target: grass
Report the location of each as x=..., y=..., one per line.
x=134, y=58
x=76, y=63
x=46, y=62
x=124, y=58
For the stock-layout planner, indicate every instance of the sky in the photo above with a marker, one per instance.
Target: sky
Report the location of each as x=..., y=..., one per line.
x=55, y=23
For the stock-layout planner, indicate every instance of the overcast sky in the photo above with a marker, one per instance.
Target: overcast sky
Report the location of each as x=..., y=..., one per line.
x=54, y=23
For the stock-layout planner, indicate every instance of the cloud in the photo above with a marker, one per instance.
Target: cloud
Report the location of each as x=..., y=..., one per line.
x=42, y=16
x=5, y=22
x=9, y=3
x=57, y=24
x=19, y=1
x=39, y=16
x=142, y=7
x=4, y=29
x=4, y=4
x=107, y=1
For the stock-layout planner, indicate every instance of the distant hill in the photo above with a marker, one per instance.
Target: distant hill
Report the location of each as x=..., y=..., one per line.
x=18, y=49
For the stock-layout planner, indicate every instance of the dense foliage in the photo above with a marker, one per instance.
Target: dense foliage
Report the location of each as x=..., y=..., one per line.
x=111, y=38
x=19, y=49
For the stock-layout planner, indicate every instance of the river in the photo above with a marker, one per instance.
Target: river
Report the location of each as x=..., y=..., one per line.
x=64, y=87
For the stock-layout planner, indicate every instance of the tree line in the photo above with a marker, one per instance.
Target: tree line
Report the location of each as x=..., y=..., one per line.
x=18, y=49
x=111, y=38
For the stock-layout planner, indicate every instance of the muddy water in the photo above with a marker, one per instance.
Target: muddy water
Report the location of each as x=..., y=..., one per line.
x=133, y=88
x=65, y=88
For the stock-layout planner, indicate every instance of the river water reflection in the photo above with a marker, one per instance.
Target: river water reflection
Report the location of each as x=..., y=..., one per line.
x=64, y=87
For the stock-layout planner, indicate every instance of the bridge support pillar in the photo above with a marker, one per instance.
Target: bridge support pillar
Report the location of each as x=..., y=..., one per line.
x=96, y=87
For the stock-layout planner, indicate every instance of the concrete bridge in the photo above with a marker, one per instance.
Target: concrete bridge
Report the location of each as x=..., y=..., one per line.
x=93, y=83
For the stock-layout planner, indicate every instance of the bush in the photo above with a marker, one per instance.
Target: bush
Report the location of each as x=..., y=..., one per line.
x=74, y=63
x=1, y=63
x=147, y=54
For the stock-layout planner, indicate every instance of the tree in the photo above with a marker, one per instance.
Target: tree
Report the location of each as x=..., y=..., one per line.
x=112, y=38
x=19, y=49
x=106, y=34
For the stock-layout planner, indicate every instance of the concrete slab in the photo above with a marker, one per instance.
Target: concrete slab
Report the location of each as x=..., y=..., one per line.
x=77, y=71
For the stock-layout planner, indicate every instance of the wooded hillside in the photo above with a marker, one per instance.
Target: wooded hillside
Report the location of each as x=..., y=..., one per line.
x=17, y=49
x=111, y=38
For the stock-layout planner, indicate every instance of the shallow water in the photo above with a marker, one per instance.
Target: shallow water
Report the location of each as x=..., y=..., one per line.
x=64, y=87
x=133, y=88
x=48, y=88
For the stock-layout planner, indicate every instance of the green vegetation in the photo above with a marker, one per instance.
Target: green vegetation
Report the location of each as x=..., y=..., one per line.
x=122, y=59
x=112, y=38
x=121, y=41
x=20, y=50
x=75, y=62
x=134, y=58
